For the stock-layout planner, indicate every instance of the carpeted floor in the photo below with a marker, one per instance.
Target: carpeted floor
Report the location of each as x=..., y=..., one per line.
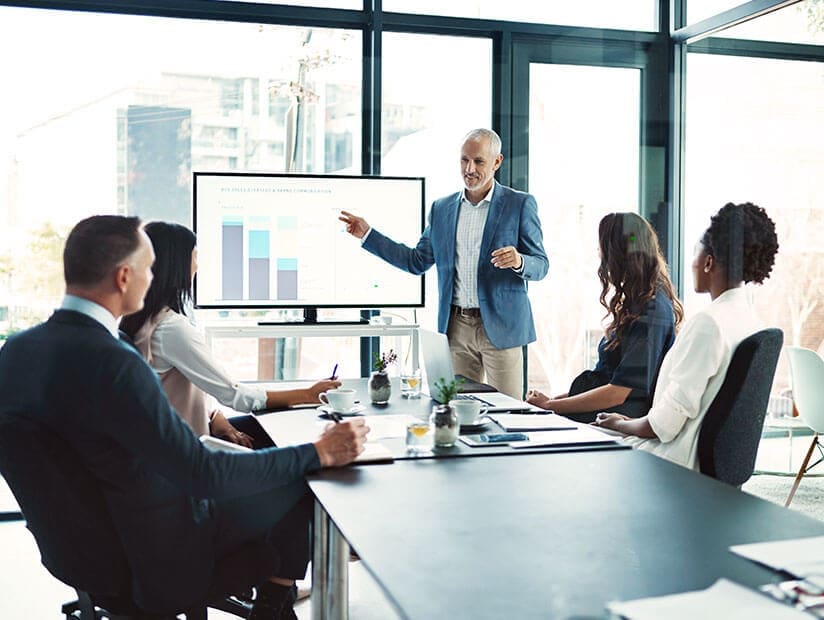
x=809, y=499
x=785, y=454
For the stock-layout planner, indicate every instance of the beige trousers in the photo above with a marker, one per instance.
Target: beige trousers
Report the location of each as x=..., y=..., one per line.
x=473, y=355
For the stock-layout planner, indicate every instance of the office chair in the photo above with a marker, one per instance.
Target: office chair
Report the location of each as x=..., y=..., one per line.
x=77, y=539
x=731, y=429
x=807, y=378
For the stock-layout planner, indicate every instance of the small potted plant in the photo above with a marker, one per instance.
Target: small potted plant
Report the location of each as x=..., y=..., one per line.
x=444, y=418
x=379, y=386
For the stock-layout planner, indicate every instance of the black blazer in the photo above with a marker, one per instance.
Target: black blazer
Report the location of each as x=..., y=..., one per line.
x=158, y=480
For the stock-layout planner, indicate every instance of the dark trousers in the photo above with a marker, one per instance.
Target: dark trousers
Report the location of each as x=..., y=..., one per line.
x=279, y=520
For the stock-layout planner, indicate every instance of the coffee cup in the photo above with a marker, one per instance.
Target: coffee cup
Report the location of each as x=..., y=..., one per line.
x=341, y=399
x=468, y=410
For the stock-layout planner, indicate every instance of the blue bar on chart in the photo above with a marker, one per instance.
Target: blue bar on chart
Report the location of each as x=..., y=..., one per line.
x=286, y=236
x=259, y=258
x=232, y=252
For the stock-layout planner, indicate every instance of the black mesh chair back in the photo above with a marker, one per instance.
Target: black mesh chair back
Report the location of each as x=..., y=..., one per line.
x=731, y=430
x=63, y=507
x=65, y=510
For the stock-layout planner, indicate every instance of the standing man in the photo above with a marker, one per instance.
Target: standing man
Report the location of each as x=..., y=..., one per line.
x=177, y=507
x=486, y=242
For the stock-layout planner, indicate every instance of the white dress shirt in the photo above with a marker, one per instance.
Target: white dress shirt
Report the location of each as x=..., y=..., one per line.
x=692, y=373
x=175, y=343
x=468, y=236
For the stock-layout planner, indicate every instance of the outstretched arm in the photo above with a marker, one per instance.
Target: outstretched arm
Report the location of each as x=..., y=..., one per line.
x=281, y=399
x=640, y=427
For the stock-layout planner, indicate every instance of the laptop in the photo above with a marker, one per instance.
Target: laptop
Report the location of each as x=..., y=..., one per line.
x=437, y=361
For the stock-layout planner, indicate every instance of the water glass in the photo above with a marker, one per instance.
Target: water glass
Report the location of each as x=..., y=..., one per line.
x=411, y=383
x=419, y=436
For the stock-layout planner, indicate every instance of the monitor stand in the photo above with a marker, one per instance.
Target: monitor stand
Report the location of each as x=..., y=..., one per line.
x=310, y=317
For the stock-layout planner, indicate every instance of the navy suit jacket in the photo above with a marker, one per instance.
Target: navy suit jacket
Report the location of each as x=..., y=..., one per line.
x=159, y=482
x=512, y=220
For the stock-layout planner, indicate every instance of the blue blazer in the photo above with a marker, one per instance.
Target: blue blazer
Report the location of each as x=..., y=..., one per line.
x=512, y=220
x=159, y=482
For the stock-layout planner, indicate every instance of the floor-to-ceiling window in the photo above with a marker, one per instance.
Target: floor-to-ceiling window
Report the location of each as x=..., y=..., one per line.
x=755, y=133
x=583, y=163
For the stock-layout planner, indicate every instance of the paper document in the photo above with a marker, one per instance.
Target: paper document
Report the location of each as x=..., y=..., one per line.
x=801, y=557
x=533, y=422
x=724, y=599
x=583, y=435
x=292, y=428
x=374, y=452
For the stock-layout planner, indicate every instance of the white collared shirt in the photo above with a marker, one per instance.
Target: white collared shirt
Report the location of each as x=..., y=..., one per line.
x=692, y=373
x=171, y=340
x=468, y=236
x=93, y=311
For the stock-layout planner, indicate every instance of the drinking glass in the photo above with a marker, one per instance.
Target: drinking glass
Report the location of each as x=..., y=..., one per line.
x=419, y=436
x=411, y=383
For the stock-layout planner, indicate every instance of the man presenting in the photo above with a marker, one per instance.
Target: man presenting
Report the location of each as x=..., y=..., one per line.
x=486, y=242
x=177, y=507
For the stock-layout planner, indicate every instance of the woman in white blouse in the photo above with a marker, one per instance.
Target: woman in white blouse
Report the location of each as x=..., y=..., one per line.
x=739, y=247
x=178, y=352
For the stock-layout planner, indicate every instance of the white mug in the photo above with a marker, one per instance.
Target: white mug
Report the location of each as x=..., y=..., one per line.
x=468, y=410
x=341, y=399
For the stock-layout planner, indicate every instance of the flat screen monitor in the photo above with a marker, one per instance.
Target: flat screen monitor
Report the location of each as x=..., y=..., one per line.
x=275, y=240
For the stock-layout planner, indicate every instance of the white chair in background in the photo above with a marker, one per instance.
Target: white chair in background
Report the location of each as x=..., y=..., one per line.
x=807, y=376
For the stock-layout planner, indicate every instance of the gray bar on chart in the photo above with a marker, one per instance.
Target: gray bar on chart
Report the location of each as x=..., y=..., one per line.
x=258, y=278
x=232, y=284
x=287, y=284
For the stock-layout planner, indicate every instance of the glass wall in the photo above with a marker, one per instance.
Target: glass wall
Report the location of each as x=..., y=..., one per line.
x=88, y=131
x=427, y=109
x=626, y=15
x=798, y=23
x=755, y=134
x=584, y=136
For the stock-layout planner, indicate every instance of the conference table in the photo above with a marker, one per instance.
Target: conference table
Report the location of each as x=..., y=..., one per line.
x=554, y=534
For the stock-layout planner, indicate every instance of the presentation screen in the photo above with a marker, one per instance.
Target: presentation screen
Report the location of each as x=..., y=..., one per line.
x=275, y=240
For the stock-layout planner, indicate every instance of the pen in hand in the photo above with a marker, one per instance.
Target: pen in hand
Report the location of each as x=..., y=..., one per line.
x=336, y=417
x=334, y=372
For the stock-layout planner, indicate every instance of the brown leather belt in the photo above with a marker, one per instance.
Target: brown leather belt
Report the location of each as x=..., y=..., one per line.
x=467, y=313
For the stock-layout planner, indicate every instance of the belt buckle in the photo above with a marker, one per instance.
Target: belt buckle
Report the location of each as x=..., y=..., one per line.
x=467, y=313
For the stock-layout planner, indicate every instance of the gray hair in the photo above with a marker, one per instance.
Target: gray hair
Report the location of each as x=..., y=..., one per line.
x=488, y=134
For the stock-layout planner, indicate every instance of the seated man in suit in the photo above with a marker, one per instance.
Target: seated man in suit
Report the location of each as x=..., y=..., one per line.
x=177, y=507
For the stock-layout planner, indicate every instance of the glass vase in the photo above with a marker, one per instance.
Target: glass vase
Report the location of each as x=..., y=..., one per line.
x=380, y=389
x=445, y=422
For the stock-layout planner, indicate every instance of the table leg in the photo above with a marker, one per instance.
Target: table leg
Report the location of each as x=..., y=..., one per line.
x=320, y=563
x=330, y=569
x=338, y=583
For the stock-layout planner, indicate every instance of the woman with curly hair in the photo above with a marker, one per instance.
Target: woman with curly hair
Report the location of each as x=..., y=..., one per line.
x=644, y=313
x=739, y=247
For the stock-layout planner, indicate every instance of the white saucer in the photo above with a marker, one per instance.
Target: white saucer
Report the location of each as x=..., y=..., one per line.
x=356, y=410
x=479, y=425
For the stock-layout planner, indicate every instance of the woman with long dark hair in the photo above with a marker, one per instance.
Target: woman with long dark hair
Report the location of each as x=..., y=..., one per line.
x=738, y=247
x=164, y=334
x=643, y=313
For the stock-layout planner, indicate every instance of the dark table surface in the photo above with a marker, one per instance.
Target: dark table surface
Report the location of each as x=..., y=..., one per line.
x=546, y=535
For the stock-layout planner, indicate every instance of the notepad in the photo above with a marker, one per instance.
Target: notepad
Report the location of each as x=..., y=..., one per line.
x=800, y=557
x=533, y=422
x=374, y=452
x=724, y=599
x=215, y=443
x=580, y=436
